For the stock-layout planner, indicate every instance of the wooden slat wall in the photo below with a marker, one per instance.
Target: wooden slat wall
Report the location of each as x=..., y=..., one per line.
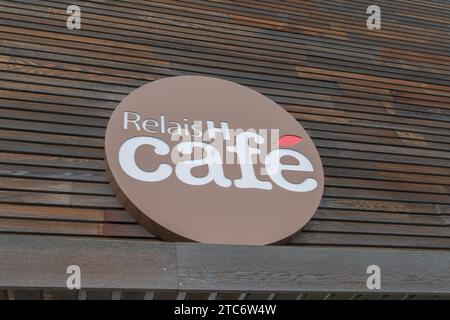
x=376, y=103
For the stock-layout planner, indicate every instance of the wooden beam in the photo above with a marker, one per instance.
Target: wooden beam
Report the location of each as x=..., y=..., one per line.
x=82, y=295
x=116, y=295
x=41, y=262
x=310, y=269
x=213, y=296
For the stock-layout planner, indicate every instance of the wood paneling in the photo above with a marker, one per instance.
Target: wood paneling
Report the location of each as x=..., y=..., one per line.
x=188, y=271
x=285, y=269
x=376, y=104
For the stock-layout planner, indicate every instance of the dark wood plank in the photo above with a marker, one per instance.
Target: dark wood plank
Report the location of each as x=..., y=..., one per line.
x=209, y=267
x=102, y=264
x=193, y=267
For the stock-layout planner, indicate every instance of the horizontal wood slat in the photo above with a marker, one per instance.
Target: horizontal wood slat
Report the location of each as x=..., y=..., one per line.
x=185, y=267
x=375, y=103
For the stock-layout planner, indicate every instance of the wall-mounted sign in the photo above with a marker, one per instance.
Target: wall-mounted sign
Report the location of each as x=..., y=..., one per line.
x=203, y=159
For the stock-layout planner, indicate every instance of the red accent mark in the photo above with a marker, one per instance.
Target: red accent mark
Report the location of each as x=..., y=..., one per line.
x=289, y=140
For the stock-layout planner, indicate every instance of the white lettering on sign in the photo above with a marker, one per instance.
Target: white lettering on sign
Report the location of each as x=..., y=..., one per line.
x=213, y=160
x=133, y=120
x=224, y=130
x=275, y=168
x=128, y=163
x=244, y=153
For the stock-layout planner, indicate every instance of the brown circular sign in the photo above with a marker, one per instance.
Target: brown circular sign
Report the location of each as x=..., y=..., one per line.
x=204, y=159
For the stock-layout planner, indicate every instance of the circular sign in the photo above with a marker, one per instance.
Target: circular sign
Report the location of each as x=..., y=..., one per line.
x=203, y=159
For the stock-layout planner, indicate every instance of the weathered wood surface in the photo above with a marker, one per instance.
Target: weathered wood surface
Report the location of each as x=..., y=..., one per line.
x=158, y=266
x=376, y=103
